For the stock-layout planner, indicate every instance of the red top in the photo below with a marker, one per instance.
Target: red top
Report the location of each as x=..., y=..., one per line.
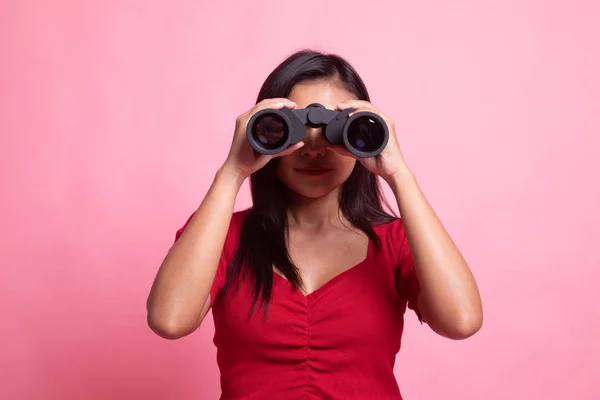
x=338, y=342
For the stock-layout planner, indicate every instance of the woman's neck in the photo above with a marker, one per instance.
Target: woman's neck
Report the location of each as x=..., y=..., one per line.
x=315, y=214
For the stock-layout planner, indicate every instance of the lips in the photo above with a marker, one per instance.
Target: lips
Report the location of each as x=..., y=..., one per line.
x=314, y=171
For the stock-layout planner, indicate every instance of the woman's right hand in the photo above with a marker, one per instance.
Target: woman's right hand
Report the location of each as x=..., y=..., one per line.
x=242, y=158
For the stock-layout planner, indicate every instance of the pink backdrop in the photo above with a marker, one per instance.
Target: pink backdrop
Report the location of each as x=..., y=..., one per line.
x=106, y=109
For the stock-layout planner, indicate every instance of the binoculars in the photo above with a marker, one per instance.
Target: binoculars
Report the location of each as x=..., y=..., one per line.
x=270, y=131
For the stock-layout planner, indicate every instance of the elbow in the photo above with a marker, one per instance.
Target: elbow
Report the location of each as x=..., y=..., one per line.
x=171, y=321
x=167, y=328
x=456, y=321
x=464, y=326
x=459, y=326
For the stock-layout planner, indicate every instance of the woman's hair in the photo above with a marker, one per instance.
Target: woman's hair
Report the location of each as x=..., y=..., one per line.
x=263, y=236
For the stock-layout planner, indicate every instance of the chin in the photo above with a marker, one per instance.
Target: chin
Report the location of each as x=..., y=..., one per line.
x=312, y=194
x=312, y=191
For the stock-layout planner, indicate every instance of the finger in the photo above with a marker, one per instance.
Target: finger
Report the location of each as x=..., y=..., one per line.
x=373, y=110
x=355, y=104
x=278, y=103
x=356, y=110
x=290, y=150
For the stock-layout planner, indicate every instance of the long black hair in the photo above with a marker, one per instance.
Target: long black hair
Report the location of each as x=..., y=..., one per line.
x=263, y=236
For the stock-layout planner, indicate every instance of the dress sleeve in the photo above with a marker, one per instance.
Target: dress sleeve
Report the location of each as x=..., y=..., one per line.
x=226, y=255
x=407, y=280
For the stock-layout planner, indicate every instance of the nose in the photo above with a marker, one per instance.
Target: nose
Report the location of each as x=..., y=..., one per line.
x=314, y=143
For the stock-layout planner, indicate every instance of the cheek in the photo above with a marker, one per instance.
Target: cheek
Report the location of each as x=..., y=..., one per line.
x=344, y=167
x=285, y=166
x=285, y=169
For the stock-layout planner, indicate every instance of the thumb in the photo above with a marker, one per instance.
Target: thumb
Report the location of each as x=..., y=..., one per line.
x=290, y=149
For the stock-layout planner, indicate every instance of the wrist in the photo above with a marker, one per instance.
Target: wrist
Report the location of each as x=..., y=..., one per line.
x=231, y=174
x=401, y=178
x=399, y=174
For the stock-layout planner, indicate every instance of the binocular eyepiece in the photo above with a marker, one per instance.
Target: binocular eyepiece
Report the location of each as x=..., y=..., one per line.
x=270, y=131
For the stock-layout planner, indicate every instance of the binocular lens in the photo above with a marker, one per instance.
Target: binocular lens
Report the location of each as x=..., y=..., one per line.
x=365, y=134
x=270, y=131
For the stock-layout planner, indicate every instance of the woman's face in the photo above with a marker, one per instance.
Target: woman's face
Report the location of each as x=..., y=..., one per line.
x=314, y=171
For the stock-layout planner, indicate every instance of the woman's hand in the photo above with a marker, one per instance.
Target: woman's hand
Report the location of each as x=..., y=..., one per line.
x=242, y=158
x=387, y=163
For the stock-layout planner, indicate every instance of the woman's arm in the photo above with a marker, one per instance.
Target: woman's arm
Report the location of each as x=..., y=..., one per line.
x=180, y=294
x=449, y=299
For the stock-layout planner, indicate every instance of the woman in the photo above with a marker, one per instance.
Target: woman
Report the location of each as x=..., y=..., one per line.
x=309, y=286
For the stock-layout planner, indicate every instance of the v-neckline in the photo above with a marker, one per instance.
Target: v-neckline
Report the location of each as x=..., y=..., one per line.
x=329, y=282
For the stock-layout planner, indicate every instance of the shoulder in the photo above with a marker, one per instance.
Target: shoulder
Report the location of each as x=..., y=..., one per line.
x=390, y=233
x=238, y=217
x=235, y=225
x=237, y=220
x=232, y=239
x=393, y=241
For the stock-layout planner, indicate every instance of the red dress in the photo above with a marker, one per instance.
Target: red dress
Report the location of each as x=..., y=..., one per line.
x=338, y=342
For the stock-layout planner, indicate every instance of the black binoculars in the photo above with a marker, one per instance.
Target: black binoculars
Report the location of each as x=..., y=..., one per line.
x=270, y=131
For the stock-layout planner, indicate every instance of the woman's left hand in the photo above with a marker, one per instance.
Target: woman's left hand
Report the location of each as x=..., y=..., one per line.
x=387, y=163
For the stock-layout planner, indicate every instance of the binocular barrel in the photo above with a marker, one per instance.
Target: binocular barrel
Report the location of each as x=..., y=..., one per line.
x=270, y=131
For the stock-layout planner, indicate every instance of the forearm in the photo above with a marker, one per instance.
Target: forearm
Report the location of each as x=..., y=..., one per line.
x=181, y=288
x=449, y=299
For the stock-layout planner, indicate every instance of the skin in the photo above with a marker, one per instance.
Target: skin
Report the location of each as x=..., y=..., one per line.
x=321, y=243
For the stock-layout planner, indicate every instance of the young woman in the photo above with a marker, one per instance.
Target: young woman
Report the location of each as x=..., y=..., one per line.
x=310, y=285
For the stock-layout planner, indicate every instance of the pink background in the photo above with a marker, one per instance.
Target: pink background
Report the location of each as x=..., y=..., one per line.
x=106, y=109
